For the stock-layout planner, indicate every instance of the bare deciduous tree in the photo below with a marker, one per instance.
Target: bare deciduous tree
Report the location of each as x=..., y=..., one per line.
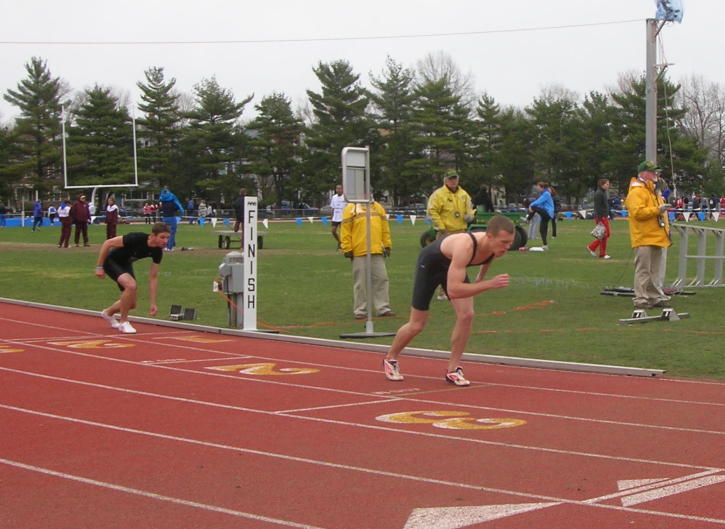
x=705, y=116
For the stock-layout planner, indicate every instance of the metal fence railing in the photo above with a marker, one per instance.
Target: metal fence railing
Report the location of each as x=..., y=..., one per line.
x=708, y=244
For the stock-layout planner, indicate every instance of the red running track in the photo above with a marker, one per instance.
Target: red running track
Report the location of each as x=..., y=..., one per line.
x=172, y=428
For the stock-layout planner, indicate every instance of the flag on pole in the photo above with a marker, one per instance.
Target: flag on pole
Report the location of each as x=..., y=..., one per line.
x=265, y=222
x=213, y=221
x=412, y=219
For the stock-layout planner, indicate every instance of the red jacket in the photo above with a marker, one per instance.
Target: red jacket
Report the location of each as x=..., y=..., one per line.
x=79, y=211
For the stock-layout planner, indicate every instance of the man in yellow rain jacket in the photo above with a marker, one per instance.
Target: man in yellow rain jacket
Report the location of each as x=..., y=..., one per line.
x=353, y=242
x=450, y=209
x=649, y=233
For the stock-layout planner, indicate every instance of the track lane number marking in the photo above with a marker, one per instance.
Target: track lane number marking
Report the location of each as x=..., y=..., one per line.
x=450, y=419
x=93, y=344
x=265, y=369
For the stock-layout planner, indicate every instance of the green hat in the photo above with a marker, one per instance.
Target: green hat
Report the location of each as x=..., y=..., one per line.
x=451, y=173
x=648, y=166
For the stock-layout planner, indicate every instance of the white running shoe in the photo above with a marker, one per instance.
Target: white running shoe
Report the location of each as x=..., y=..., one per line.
x=392, y=371
x=606, y=257
x=592, y=252
x=126, y=328
x=110, y=319
x=456, y=377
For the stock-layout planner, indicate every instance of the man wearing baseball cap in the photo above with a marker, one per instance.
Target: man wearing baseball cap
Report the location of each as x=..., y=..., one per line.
x=649, y=232
x=450, y=209
x=81, y=215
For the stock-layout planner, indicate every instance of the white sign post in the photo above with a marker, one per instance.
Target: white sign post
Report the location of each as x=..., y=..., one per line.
x=356, y=184
x=249, y=277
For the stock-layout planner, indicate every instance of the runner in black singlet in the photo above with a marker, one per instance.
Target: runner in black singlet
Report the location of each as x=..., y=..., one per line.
x=444, y=263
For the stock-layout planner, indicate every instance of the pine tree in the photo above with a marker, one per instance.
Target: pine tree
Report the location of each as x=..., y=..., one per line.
x=159, y=129
x=100, y=141
x=5, y=144
x=516, y=162
x=441, y=126
x=554, y=144
x=36, y=142
x=275, y=147
x=393, y=104
x=213, y=142
x=340, y=121
x=486, y=148
x=596, y=117
x=674, y=149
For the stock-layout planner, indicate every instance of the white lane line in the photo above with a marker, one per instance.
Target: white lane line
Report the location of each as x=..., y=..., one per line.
x=419, y=479
x=658, y=484
x=155, y=496
x=388, y=397
x=377, y=427
x=187, y=361
x=678, y=488
x=421, y=377
x=332, y=407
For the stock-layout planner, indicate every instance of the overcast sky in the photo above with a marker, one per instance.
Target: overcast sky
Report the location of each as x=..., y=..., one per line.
x=594, y=41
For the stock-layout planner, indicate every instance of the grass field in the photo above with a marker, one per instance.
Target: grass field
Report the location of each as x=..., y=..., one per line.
x=552, y=310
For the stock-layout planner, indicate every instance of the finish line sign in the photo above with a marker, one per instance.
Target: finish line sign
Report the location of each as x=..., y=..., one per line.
x=249, y=277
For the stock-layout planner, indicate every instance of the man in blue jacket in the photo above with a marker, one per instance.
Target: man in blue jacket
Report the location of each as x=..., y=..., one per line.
x=170, y=208
x=544, y=206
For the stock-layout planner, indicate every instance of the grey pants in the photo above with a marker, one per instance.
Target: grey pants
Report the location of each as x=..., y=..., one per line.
x=381, y=298
x=647, y=281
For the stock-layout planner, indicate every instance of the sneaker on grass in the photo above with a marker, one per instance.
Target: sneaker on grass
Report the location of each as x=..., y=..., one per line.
x=110, y=319
x=392, y=371
x=456, y=377
x=126, y=328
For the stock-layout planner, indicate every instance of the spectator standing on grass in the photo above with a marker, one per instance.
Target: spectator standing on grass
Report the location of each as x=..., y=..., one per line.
x=557, y=208
x=147, y=211
x=483, y=199
x=81, y=215
x=337, y=203
x=170, y=208
x=444, y=263
x=450, y=209
x=111, y=217
x=649, y=232
x=601, y=216
x=66, y=221
x=190, y=208
x=238, y=206
x=353, y=242
x=203, y=212
x=544, y=206
x=37, y=215
x=52, y=212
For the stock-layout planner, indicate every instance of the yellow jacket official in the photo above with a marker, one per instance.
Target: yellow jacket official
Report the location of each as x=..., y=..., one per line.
x=643, y=203
x=448, y=210
x=353, y=230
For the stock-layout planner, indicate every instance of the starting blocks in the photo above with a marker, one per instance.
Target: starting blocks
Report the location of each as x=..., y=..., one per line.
x=668, y=314
x=177, y=312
